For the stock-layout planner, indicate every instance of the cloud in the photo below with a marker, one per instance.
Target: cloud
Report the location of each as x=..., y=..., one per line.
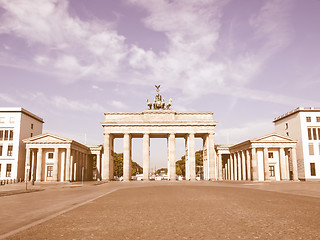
x=193, y=59
x=95, y=87
x=74, y=48
x=6, y=98
x=250, y=130
x=62, y=103
x=118, y=104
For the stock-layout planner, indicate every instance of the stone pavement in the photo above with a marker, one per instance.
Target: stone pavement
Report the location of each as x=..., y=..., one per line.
x=162, y=210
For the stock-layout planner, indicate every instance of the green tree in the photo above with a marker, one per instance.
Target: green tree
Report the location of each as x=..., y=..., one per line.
x=118, y=166
x=162, y=170
x=136, y=169
x=180, y=164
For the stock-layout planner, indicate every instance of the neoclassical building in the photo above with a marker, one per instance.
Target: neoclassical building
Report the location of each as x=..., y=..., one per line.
x=270, y=157
x=53, y=158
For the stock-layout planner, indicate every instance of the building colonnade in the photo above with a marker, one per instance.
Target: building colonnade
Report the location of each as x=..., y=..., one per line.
x=209, y=162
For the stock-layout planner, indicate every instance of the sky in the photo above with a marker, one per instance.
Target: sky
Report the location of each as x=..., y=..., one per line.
x=247, y=61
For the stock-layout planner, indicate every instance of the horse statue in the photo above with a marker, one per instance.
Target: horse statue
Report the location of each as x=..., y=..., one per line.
x=149, y=104
x=169, y=104
x=163, y=103
x=157, y=103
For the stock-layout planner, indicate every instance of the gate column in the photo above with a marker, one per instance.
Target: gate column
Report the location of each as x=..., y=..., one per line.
x=146, y=157
x=172, y=156
x=126, y=157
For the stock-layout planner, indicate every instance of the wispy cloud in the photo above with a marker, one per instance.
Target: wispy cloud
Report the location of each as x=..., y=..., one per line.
x=71, y=47
x=191, y=61
x=62, y=103
x=8, y=99
x=250, y=130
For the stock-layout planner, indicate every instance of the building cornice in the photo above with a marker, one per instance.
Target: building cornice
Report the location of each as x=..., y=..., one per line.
x=297, y=110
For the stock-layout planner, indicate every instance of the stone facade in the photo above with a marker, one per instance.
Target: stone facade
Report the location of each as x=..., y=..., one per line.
x=53, y=158
x=271, y=157
x=167, y=124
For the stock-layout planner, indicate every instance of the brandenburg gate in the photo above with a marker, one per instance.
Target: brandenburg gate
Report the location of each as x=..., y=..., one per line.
x=159, y=121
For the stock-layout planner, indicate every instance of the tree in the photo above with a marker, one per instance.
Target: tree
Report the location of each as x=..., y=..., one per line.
x=136, y=169
x=118, y=166
x=162, y=170
x=180, y=164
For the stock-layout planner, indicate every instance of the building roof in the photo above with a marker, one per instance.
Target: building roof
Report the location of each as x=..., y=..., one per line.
x=50, y=138
x=22, y=110
x=297, y=110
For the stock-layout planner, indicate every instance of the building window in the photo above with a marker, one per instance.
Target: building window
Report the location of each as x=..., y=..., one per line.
x=31, y=135
x=318, y=119
x=1, y=135
x=9, y=152
x=286, y=126
x=6, y=135
x=270, y=154
x=308, y=119
x=0, y=170
x=309, y=134
x=31, y=125
x=10, y=135
x=313, y=169
x=311, y=150
x=318, y=133
x=271, y=170
x=287, y=134
x=49, y=171
x=1, y=119
x=12, y=120
x=314, y=133
x=8, y=172
x=50, y=155
x=1, y=150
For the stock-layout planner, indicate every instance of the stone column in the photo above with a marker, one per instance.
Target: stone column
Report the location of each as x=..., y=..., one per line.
x=205, y=158
x=126, y=157
x=172, y=157
x=98, y=165
x=254, y=164
x=294, y=164
x=86, y=172
x=39, y=165
x=244, y=173
x=192, y=157
x=55, y=164
x=231, y=167
x=235, y=157
x=27, y=164
x=187, y=168
x=282, y=159
x=146, y=157
x=266, y=164
x=249, y=177
x=228, y=170
x=211, y=157
x=106, y=157
x=220, y=167
x=32, y=168
x=62, y=169
x=239, y=165
x=111, y=161
x=68, y=158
